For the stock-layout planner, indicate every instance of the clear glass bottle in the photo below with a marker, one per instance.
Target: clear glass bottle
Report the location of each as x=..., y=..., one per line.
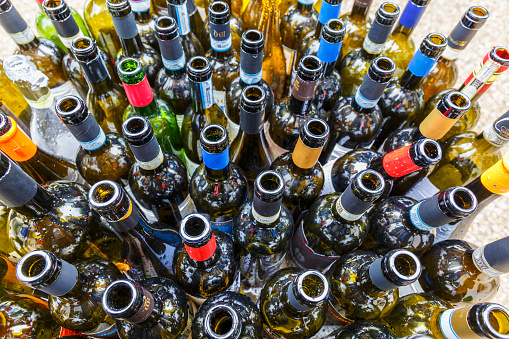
x=179, y=10
x=101, y=27
x=357, y=25
x=145, y=22
x=13, y=103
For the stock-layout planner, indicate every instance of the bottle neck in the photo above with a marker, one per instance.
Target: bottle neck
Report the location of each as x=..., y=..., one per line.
x=251, y=123
x=494, y=135
x=202, y=94
x=141, y=10
x=395, y=269
x=217, y=164
x=491, y=259
x=409, y=19
x=181, y=14
x=141, y=97
x=220, y=40
x=17, y=28
x=204, y=255
x=361, y=8
x=128, y=34
x=328, y=53
x=66, y=27
x=304, y=8
x=304, y=156
x=375, y=40
x=173, y=57
x=266, y=211
x=367, y=96
x=410, y=81
x=328, y=11
x=350, y=207
x=96, y=73
x=250, y=67
x=301, y=95
x=88, y=133
x=269, y=25
x=492, y=183
x=149, y=156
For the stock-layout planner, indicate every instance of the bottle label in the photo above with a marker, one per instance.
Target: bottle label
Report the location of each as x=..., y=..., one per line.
x=220, y=98
x=266, y=212
x=152, y=164
x=140, y=6
x=303, y=90
x=411, y=14
x=274, y=149
x=88, y=133
x=172, y=53
x=145, y=310
x=427, y=214
x=289, y=56
x=460, y=36
x=416, y=219
x=482, y=264
x=328, y=186
x=16, y=187
x=174, y=65
x=328, y=11
x=187, y=206
x=494, y=137
x=181, y=14
x=250, y=67
x=483, y=76
x=305, y=157
x=125, y=26
x=421, y=65
x=363, y=3
x=65, y=332
x=328, y=51
x=251, y=123
x=233, y=129
x=64, y=282
x=399, y=163
x=378, y=278
x=436, y=125
x=216, y=161
x=67, y=30
x=149, y=156
x=95, y=70
x=454, y=324
x=224, y=224
x=376, y=38
x=139, y=95
x=369, y=92
x=304, y=256
x=45, y=101
x=349, y=207
x=202, y=253
x=203, y=92
x=220, y=37
x=16, y=26
x=24, y=37
x=496, y=178
x=263, y=219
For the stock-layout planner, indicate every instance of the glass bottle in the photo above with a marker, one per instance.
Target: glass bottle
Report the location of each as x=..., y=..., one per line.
x=178, y=10
x=252, y=15
x=336, y=223
x=357, y=25
x=105, y=99
x=153, y=308
x=101, y=156
x=293, y=303
x=158, y=181
x=403, y=98
x=75, y=291
x=202, y=111
x=445, y=74
x=249, y=150
x=195, y=19
x=227, y=315
x=373, y=280
x=151, y=248
x=145, y=22
x=292, y=112
x=224, y=63
x=44, y=53
x=274, y=64
x=355, y=121
x=101, y=27
x=144, y=104
x=235, y=6
x=8, y=279
x=399, y=46
x=12, y=101
x=355, y=65
x=46, y=130
x=236, y=27
x=130, y=39
x=401, y=222
x=302, y=173
x=172, y=83
x=423, y=153
x=250, y=73
x=41, y=166
x=262, y=232
x=206, y=262
x=366, y=329
x=218, y=187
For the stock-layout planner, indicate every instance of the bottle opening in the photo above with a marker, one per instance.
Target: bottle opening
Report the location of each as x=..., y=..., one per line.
x=389, y=7
x=82, y=44
x=384, y=64
x=103, y=194
x=501, y=55
x=313, y=286
x=221, y=321
x=165, y=22
x=5, y=124
x=310, y=64
x=194, y=227
x=336, y=25
x=119, y=297
x=463, y=200
x=459, y=100
x=253, y=95
x=498, y=320
x=437, y=39
x=317, y=128
x=117, y=3
x=53, y=3
x=219, y=8
x=405, y=265
x=253, y=37
x=270, y=182
x=371, y=182
x=478, y=13
x=129, y=66
x=69, y=105
x=213, y=134
x=431, y=150
x=33, y=267
x=135, y=128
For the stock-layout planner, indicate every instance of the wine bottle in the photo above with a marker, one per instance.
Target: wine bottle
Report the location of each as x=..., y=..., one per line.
x=336, y=224
x=249, y=150
x=292, y=112
x=41, y=166
x=105, y=99
x=74, y=291
x=445, y=74
x=101, y=27
x=144, y=104
x=223, y=62
x=274, y=64
x=355, y=121
x=357, y=25
x=423, y=153
x=355, y=65
x=293, y=303
x=195, y=19
x=13, y=103
x=202, y=111
x=178, y=10
x=206, y=262
x=252, y=15
x=155, y=307
x=236, y=27
x=151, y=250
x=373, y=279
x=132, y=46
x=158, y=181
x=27, y=317
x=144, y=22
x=366, y=329
x=172, y=83
x=218, y=187
x=300, y=169
x=403, y=98
x=46, y=130
x=399, y=46
x=401, y=222
x=262, y=232
x=228, y=315
x=8, y=279
x=299, y=20
x=101, y=156
x=250, y=73
x=235, y=6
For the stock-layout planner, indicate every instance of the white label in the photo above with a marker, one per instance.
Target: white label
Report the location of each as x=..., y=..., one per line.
x=233, y=130
x=96, y=143
x=446, y=325
x=152, y=164
x=23, y=37
x=174, y=65
x=416, y=220
x=250, y=78
x=450, y=54
x=183, y=19
x=187, y=206
x=191, y=166
x=221, y=45
x=207, y=93
x=274, y=150
x=480, y=78
x=328, y=187
x=265, y=220
x=372, y=47
x=220, y=99
x=363, y=102
x=67, y=41
x=422, y=189
x=289, y=55
x=344, y=213
x=482, y=264
x=139, y=6
x=493, y=137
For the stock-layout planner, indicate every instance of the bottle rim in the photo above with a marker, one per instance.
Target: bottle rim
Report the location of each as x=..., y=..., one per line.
x=253, y=38
x=487, y=309
x=6, y=126
x=430, y=150
x=253, y=89
x=259, y=186
x=371, y=176
x=28, y=261
x=214, y=129
x=107, y=295
x=69, y=105
x=166, y=25
x=394, y=255
x=202, y=220
x=335, y=27
x=118, y=4
x=387, y=13
x=383, y=67
x=500, y=55
x=299, y=283
x=225, y=308
x=310, y=64
x=198, y=68
x=456, y=100
x=129, y=67
x=85, y=40
x=218, y=10
x=458, y=196
x=435, y=41
x=136, y=128
x=114, y=191
x=309, y=136
x=477, y=14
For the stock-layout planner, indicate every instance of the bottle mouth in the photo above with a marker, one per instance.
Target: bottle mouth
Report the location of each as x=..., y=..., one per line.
x=55, y=7
x=82, y=46
x=221, y=322
x=500, y=55
x=129, y=67
x=219, y=10
x=269, y=182
x=334, y=28
x=118, y=4
x=119, y=298
x=252, y=39
x=404, y=266
x=477, y=14
x=310, y=67
x=198, y=68
x=105, y=195
x=69, y=105
x=253, y=95
x=383, y=68
x=430, y=150
x=135, y=128
x=370, y=181
x=313, y=287
x=34, y=267
x=462, y=200
x=387, y=13
x=213, y=137
x=495, y=320
x=457, y=101
x=194, y=228
x=436, y=42
x=166, y=25
x=314, y=133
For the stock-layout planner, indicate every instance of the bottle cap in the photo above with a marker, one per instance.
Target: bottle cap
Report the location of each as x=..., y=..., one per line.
x=14, y=142
x=496, y=178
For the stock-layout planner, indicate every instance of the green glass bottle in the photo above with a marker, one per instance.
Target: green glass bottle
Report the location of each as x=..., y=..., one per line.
x=218, y=187
x=336, y=223
x=365, y=329
x=355, y=64
x=101, y=27
x=293, y=303
x=373, y=280
x=75, y=291
x=153, y=308
x=227, y=315
x=144, y=104
x=145, y=22
x=357, y=25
